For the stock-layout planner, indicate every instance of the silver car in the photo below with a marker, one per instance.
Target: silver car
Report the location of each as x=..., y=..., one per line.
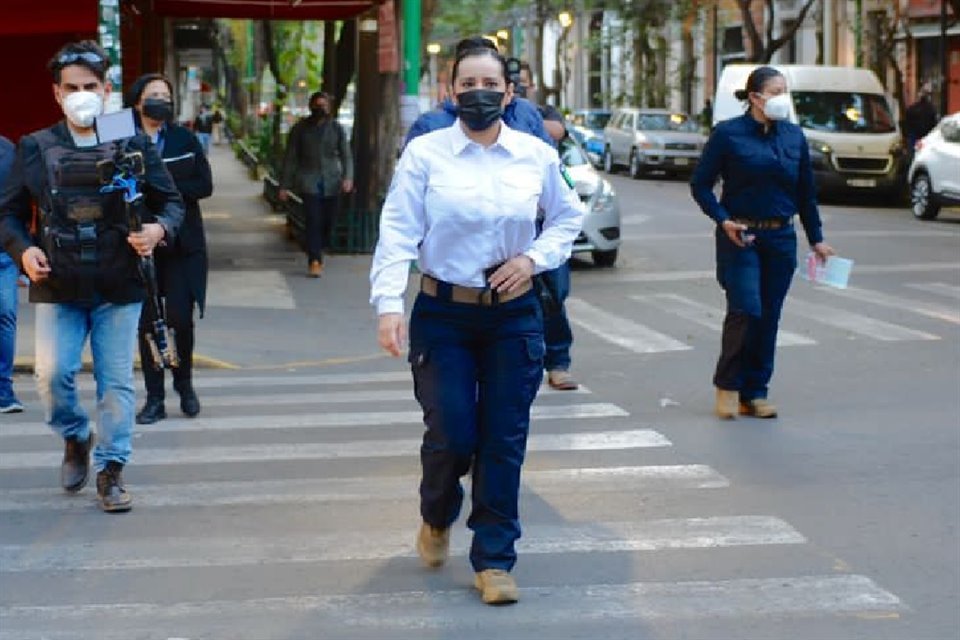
x=646, y=140
x=601, y=226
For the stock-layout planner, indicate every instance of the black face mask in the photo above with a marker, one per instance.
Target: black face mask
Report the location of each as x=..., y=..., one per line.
x=319, y=112
x=158, y=109
x=479, y=109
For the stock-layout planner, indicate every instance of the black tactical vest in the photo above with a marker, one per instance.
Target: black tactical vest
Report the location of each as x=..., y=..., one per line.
x=82, y=231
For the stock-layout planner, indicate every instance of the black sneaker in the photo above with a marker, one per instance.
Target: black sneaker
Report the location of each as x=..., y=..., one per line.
x=76, y=463
x=152, y=411
x=113, y=497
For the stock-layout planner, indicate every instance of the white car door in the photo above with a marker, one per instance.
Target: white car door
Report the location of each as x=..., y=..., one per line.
x=625, y=137
x=946, y=166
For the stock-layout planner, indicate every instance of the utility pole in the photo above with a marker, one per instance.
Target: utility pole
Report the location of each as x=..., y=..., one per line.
x=944, y=62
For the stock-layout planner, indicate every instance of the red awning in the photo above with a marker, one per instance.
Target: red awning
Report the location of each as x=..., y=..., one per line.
x=23, y=17
x=263, y=9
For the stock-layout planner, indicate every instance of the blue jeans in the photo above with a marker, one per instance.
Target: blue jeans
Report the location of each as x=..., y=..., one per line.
x=556, y=327
x=62, y=330
x=756, y=280
x=8, y=324
x=476, y=371
x=204, y=139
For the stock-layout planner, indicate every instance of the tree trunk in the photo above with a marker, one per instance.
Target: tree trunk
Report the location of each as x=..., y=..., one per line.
x=330, y=59
x=270, y=52
x=346, y=60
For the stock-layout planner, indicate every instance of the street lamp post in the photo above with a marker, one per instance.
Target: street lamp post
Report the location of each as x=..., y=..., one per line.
x=565, y=18
x=433, y=49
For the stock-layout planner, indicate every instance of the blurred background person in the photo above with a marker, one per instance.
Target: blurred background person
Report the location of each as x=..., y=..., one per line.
x=9, y=274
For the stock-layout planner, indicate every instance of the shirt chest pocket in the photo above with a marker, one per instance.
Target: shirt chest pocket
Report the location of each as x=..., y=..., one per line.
x=521, y=188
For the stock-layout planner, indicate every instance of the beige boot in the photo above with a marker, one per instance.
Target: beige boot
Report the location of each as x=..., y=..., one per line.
x=758, y=408
x=727, y=402
x=496, y=586
x=433, y=545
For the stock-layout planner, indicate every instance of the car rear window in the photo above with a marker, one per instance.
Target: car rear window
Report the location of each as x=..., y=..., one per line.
x=843, y=112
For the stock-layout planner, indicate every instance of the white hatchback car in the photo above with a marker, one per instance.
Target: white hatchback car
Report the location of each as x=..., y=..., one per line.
x=934, y=175
x=600, y=235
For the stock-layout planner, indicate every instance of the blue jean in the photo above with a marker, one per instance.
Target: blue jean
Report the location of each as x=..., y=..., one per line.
x=476, y=371
x=62, y=330
x=204, y=139
x=8, y=324
x=556, y=327
x=756, y=280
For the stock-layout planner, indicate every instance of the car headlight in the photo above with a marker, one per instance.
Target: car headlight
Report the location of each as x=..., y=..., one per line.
x=604, y=198
x=819, y=147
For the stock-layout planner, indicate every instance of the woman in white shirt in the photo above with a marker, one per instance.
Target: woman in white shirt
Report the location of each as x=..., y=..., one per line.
x=463, y=203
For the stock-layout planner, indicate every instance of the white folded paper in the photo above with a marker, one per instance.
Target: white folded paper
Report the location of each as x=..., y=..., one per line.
x=834, y=273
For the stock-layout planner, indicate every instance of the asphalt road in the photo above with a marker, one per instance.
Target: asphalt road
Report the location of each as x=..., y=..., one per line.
x=288, y=509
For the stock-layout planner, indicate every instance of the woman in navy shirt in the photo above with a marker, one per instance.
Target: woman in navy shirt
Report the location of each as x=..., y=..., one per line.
x=764, y=163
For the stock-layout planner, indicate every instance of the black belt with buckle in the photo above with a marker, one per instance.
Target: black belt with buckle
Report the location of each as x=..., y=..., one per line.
x=766, y=224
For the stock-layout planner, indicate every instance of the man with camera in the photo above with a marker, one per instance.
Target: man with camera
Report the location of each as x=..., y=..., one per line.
x=71, y=235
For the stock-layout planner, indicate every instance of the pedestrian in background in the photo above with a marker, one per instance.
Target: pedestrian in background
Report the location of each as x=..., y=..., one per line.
x=203, y=127
x=83, y=266
x=181, y=265
x=217, y=120
x=557, y=332
x=919, y=118
x=318, y=166
x=764, y=163
x=9, y=274
x=463, y=203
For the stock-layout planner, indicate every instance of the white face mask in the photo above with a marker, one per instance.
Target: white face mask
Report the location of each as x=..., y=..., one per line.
x=777, y=107
x=81, y=107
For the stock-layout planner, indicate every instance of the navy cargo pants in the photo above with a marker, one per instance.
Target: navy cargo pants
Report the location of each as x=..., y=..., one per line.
x=756, y=279
x=476, y=371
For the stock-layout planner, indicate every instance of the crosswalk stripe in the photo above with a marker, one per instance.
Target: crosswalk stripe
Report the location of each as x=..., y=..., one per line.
x=216, y=382
x=707, y=316
x=928, y=309
x=855, y=322
x=636, y=480
x=620, y=331
x=414, y=611
x=583, y=441
x=172, y=552
x=332, y=420
x=939, y=288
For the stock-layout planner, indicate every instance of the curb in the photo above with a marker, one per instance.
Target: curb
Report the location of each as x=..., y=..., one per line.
x=25, y=364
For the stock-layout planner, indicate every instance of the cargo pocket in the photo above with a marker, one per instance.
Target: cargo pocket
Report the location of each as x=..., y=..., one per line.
x=419, y=358
x=535, y=350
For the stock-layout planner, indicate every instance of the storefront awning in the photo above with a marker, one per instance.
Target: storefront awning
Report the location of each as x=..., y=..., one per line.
x=263, y=9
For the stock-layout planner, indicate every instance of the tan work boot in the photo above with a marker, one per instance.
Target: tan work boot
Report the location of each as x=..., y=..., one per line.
x=433, y=545
x=316, y=268
x=758, y=408
x=496, y=586
x=561, y=380
x=727, y=402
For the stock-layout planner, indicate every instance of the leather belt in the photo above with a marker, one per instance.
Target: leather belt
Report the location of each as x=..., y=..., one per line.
x=469, y=295
x=765, y=224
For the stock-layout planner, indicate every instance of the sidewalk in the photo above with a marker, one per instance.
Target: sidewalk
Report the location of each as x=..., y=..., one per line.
x=262, y=310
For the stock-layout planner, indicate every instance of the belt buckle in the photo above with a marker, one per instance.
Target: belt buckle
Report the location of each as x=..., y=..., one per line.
x=486, y=297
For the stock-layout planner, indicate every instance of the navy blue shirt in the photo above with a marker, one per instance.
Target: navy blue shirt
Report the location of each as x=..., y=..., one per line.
x=520, y=115
x=766, y=175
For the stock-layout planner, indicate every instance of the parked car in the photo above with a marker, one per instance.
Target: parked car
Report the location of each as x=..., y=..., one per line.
x=586, y=125
x=850, y=124
x=600, y=235
x=934, y=175
x=644, y=140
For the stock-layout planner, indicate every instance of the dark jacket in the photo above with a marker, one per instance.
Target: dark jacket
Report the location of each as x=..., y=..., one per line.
x=765, y=175
x=318, y=154
x=26, y=184
x=184, y=158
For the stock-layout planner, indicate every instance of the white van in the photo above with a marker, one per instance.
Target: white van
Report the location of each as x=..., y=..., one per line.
x=855, y=142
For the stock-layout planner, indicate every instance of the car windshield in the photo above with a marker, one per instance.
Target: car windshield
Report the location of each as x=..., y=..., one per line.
x=666, y=122
x=595, y=120
x=843, y=112
x=570, y=153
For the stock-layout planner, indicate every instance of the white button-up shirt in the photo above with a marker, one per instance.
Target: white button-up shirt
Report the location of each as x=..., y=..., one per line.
x=459, y=208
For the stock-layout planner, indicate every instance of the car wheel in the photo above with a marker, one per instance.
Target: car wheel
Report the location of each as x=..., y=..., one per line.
x=636, y=170
x=605, y=258
x=608, y=165
x=922, y=200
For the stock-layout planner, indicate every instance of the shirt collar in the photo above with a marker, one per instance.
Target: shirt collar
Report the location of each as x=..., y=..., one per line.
x=507, y=140
x=757, y=126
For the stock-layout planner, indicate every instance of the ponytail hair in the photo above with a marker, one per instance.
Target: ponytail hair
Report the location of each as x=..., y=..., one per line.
x=757, y=79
